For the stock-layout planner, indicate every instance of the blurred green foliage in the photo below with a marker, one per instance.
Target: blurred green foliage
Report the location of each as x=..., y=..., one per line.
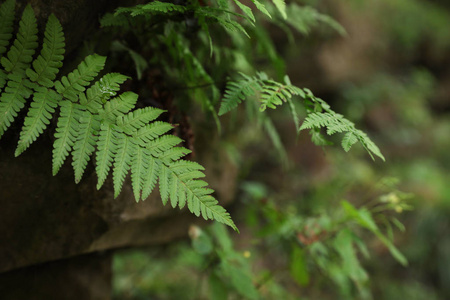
x=299, y=238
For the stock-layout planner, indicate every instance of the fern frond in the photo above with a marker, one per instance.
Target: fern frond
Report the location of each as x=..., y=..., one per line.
x=84, y=144
x=103, y=89
x=216, y=15
x=136, y=119
x=237, y=91
x=110, y=20
x=281, y=6
x=12, y=100
x=150, y=177
x=139, y=165
x=65, y=134
x=93, y=118
x=41, y=110
x=335, y=123
x=261, y=7
x=348, y=141
x=331, y=121
x=106, y=148
x=126, y=150
x=119, y=105
x=161, y=145
x=149, y=132
x=194, y=193
x=304, y=18
x=47, y=64
x=247, y=10
x=76, y=82
x=273, y=94
x=174, y=154
x=151, y=8
x=6, y=24
x=21, y=53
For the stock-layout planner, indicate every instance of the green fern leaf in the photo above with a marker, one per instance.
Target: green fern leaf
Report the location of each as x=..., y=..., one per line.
x=135, y=120
x=6, y=29
x=119, y=105
x=261, y=7
x=215, y=15
x=336, y=123
x=42, y=108
x=369, y=145
x=109, y=20
x=73, y=84
x=164, y=183
x=84, y=145
x=139, y=167
x=281, y=6
x=349, y=140
x=21, y=53
x=47, y=64
x=198, y=198
x=103, y=89
x=304, y=18
x=247, y=10
x=148, y=133
x=174, y=154
x=107, y=147
x=6, y=24
x=161, y=145
x=237, y=91
x=12, y=100
x=149, y=8
x=151, y=174
x=65, y=134
x=122, y=160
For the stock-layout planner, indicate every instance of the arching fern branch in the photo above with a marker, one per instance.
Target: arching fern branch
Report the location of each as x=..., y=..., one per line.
x=94, y=119
x=319, y=114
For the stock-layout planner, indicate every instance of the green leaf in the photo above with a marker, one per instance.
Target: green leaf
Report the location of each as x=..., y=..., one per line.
x=122, y=160
x=65, y=134
x=240, y=280
x=74, y=83
x=12, y=100
x=119, y=106
x=85, y=142
x=135, y=120
x=349, y=139
x=298, y=266
x=21, y=53
x=151, y=175
x=41, y=110
x=247, y=10
x=261, y=7
x=6, y=24
x=281, y=6
x=217, y=288
x=343, y=244
x=107, y=148
x=47, y=64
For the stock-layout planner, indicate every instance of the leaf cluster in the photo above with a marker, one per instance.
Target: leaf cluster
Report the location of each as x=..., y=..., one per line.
x=95, y=120
x=271, y=94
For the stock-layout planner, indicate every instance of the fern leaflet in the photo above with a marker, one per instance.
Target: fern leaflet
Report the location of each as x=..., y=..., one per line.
x=272, y=94
x=47, y=65
x=94, y=120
